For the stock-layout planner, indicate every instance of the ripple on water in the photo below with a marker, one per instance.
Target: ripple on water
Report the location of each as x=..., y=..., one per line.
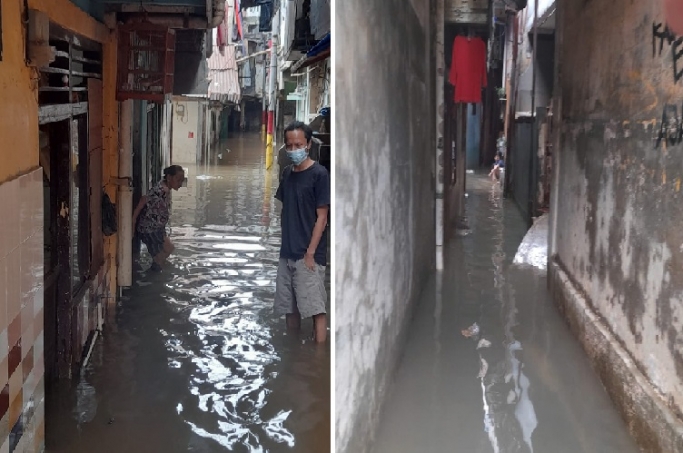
x=198, y=346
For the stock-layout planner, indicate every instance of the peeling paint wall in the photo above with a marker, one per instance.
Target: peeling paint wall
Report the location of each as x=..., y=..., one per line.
x=619, y=207
x=19, y=132
x=384, y=189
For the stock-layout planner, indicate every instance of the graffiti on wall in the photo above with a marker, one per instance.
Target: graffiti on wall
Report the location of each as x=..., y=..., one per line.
x=670, y=131
x=661, y=36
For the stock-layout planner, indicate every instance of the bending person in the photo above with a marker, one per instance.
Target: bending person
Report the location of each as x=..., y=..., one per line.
x=152, y=213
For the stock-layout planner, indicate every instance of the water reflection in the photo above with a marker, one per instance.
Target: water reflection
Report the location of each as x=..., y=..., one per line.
x=212, y=368
x=506, y=374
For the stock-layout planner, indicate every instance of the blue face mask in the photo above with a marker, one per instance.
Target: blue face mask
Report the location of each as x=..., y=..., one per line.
x=298, y=156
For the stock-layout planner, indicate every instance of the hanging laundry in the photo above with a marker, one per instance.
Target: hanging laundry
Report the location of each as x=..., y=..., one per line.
x=266, y=17
x=238, y=19
x=223, y=31
x=468, y=69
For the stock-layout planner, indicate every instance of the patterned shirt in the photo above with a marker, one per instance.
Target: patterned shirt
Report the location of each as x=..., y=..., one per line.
x=154, y=216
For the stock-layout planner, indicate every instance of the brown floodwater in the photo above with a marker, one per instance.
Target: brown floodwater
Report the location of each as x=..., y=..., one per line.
x=490, y=365
x=195, y=360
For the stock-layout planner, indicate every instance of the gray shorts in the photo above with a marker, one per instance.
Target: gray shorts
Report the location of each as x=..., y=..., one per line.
x=299, y=289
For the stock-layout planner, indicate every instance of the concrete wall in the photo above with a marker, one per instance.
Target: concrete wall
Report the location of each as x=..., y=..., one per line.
x=384, y=208
x=20, y=132
x=616, y=234
x=545, y=50
x=544, y=66
x=186, y=132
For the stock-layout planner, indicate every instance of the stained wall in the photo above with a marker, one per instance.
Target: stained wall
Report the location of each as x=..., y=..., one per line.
x=617, y=202
x=384, y=216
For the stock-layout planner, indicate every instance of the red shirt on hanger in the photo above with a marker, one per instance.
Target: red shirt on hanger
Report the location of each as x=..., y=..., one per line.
x=468, y=69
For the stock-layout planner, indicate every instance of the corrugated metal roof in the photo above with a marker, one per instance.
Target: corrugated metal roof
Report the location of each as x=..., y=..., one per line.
x=224, y=83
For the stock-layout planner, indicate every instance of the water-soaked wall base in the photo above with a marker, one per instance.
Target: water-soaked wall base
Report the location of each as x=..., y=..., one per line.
x=654, y=426
x=385, y=184
x=617, y=228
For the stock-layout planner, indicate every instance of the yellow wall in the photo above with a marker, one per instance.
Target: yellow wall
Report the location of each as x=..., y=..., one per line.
x=110, y=162
x=69, y=16
x=19, y=87
x=18, y=83
x=19, y=107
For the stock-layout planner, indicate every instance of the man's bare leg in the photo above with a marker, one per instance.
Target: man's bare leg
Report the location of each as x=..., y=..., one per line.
x=320, y=328
x=293, y=321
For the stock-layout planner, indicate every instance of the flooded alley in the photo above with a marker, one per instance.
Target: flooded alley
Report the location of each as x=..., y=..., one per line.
x=195, y=359
x=490, y=365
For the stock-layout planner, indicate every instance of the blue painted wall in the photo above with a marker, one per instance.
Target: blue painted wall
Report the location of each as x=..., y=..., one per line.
x=473, y=136
x=93, y=7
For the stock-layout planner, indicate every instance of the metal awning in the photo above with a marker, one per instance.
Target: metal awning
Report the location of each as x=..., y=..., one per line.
x=319, y=52
x=224, y=83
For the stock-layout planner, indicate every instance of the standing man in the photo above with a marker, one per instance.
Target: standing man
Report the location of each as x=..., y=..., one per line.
x=283, y=160
x=305, y=195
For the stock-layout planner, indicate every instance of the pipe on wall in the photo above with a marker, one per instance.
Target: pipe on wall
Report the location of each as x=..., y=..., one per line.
x=125, y=208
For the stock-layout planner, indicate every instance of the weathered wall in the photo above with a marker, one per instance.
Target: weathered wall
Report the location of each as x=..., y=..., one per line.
x=186, y=132
x=384, y=189
x=617, y=232
x=19, y=132
x=545, y=49
x=544, y=67
x=19, y=85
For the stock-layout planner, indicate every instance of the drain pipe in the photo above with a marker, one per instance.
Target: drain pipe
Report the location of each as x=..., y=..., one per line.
x=91, y=346
x=125, y=208
x=217, y=12
x=272, y=93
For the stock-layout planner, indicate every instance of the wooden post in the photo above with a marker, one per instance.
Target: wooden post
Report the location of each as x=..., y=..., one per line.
x=40, y=53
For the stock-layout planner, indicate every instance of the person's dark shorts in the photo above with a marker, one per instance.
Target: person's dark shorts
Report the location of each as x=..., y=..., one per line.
x=154, y=241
